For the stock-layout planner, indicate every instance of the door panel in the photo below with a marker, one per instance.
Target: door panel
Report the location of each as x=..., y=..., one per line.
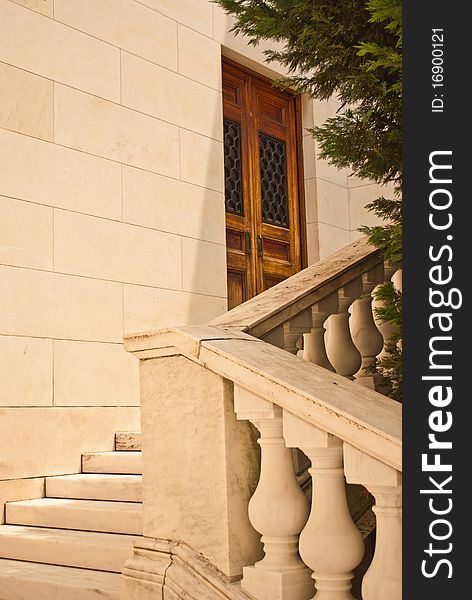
x=261, y=184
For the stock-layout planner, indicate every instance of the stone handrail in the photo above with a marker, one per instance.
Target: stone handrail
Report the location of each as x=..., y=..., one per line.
x=202, y=386
x=335, y=292
x=361, y=417
x=274, y=307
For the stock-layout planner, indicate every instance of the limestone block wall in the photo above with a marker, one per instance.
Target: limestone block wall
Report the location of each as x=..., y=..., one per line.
x=111, y=213
x=112, y=209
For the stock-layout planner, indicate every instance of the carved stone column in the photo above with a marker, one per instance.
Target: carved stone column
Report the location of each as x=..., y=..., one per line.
x=384, y=576
x=366, y=336
x=278, y=509
x=342, y=353
x=330, y=543
x=314, y=342
x=294, y=329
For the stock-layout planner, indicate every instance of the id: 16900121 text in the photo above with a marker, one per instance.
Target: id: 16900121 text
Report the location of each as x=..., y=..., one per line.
x=437, y=70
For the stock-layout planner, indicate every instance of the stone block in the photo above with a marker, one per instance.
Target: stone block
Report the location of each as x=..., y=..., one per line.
x=311, y=200
x=93, y=125
x=331, y=239
x=199, y=57
x=148, y=308
x=45, y=7
x=26, y=234
x=26, y=375
x=194, y=14
x=58, y=52
x=358, y=198
x=104, y=249
x=203, y=267
x=65, y=307
x=307, y=107
x=171, y=97
x=309, y=156
x=312, y=243
x=89, y=374
x=333, y=204
x=194, y=211
x=26, y=102
x=201, y=161
x=58, y=176
x=126, y=24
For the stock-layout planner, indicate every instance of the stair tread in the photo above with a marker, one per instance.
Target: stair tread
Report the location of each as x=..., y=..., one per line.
x=78, y=503
x=85, y=549
x=128, y=433
x=50, y=533
x=96, y=486
x=58, y=582
x=65, y=513
x=117, y=453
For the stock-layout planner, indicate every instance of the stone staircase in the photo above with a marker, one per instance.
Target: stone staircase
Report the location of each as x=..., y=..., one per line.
x=72, y=544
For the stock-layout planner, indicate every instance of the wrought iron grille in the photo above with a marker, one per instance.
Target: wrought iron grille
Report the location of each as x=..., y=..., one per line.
x=233, y=173
x=274, y=191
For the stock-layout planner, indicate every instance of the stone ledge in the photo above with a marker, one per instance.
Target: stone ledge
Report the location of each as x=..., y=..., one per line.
x=175, y=570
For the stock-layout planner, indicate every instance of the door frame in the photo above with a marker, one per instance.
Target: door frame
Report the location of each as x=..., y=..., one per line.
x=298, y=150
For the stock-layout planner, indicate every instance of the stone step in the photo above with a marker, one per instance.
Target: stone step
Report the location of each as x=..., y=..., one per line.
x=85, y=549
x=86, y=515
x=128, y=440
x=27, y=581
x=96, y=486
x=126, y=463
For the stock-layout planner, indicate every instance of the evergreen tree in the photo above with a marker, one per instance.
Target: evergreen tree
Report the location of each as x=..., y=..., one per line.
x=350, y=49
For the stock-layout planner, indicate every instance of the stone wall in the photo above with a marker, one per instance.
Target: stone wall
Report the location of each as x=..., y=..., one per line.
x=112, y=208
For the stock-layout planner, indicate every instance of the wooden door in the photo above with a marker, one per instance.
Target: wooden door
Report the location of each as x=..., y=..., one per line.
x=263, y=238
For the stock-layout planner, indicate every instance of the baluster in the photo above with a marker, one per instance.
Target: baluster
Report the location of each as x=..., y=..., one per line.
x=384, y=577
x=342, y=353
x=397, y=280
x=295, y=328
x=366, y=336
x=314, y=347
x=330, y=543
x=278, y=509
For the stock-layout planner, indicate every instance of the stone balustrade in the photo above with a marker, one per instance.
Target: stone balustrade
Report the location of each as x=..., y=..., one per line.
x=222, y=410
x=331, y=304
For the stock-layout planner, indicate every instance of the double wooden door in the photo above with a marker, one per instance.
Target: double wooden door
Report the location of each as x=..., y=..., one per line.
x=261, y=184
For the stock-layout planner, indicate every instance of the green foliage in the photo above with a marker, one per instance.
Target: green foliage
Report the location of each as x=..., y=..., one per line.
x=387, y=237
x=390, y=366
x=351, y=49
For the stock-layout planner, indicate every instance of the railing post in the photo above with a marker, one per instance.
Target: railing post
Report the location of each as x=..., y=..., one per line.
x=342, y=353
x=314, y=347
x=383, y=579
x=278, y=509
x=330, y=543
x=366, y=336
x=200, y=464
